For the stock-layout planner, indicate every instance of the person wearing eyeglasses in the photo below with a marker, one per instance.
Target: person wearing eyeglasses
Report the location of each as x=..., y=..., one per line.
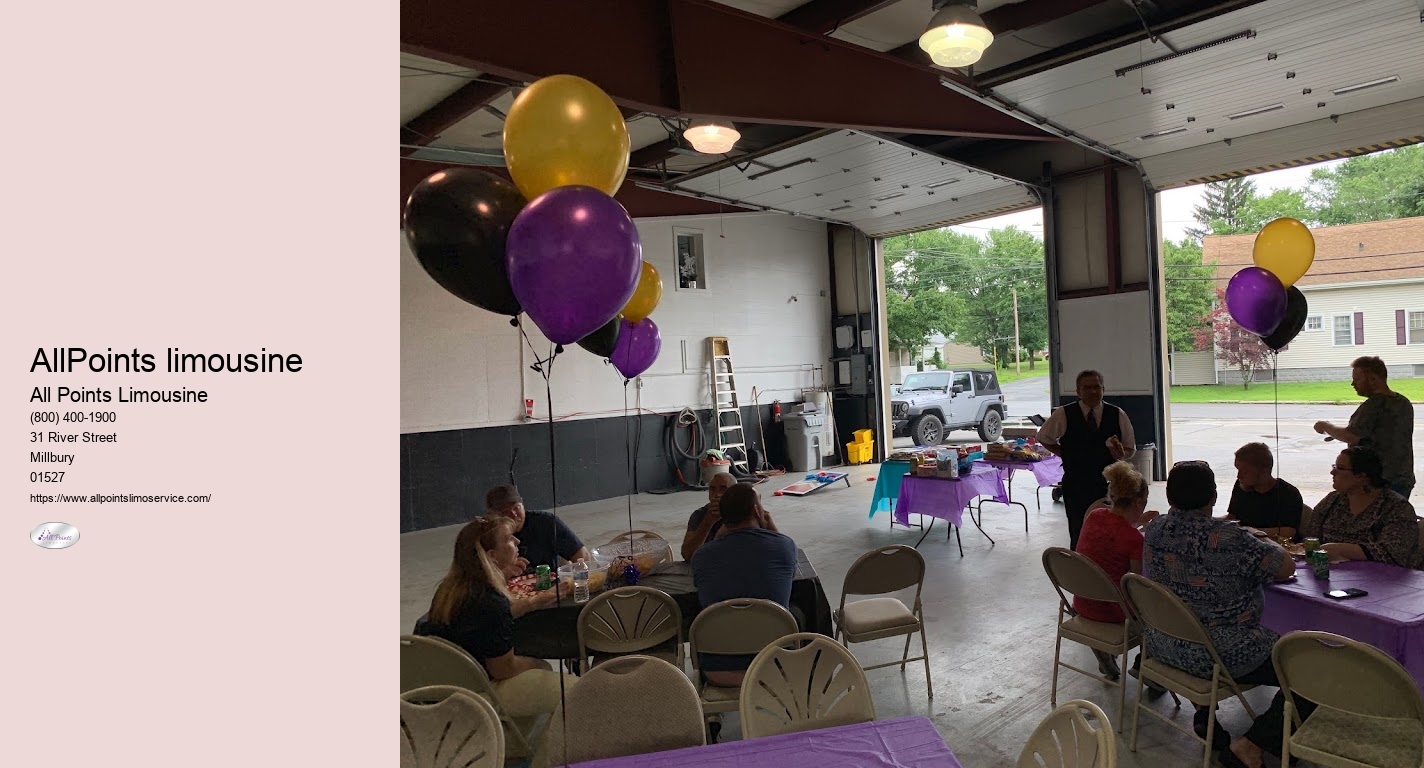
x=1089, y=435
x=1385, y=422
x=1219, y=570
x=1362, y=519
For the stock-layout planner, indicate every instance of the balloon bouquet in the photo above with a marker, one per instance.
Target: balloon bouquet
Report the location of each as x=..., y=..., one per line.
x=554, y=245
x=1263, y=299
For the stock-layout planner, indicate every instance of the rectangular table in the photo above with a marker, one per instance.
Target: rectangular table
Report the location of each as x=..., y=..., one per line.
x=552, y=633
x=1046, y=472
x=947, y=499
x=1390, y=617
x=904, y=742
x=887, y=486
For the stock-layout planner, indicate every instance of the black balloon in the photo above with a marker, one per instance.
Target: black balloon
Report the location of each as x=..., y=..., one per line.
x=602, y=341
x=1291, y=324
x=456, y=222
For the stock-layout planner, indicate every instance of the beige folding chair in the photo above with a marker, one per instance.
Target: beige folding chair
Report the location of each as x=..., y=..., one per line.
x=1158, y=609
x=740, y=627
x=630, y=705
x=630, y=620
x=878, y=572
x=1075, y=575
x=790, y=688
x=1369, y=711
x=444, y=726
x=433, y=661
x=636, y=534
x=1065, y=739
x=1306, y=513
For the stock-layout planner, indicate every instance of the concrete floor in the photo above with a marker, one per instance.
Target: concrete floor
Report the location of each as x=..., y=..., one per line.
x=990, y=613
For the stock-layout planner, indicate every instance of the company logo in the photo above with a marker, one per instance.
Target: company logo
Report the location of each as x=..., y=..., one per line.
x=55, y=535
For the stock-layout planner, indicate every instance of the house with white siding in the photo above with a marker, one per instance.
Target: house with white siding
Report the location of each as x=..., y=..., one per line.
x=1365, y=293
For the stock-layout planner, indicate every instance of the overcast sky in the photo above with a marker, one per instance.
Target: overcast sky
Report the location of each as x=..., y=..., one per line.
x=1177, y=204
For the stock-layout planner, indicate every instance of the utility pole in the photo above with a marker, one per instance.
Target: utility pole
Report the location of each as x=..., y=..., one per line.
x=1018, y=364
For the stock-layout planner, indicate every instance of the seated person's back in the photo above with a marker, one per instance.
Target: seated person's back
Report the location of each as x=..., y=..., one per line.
x=747, y=560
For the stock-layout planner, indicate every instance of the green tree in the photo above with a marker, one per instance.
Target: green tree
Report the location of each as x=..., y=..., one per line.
x=937, y=360
x=1223, y=208
x=921, y=273
x=1012, y=260
x=1258, y=211
x=1384, y=185
x=1189, y=290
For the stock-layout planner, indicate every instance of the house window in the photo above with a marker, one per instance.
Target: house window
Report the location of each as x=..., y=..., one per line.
x=691, y=261
x=1312, y=323
x=1416, y=327
x=1344, y=326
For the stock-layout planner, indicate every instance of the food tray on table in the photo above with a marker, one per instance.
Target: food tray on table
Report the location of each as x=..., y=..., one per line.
x=646, y=553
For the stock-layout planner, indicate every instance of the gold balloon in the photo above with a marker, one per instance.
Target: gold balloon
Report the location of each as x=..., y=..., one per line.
x=564, y=130
x=646, y=296
x=1286, y=249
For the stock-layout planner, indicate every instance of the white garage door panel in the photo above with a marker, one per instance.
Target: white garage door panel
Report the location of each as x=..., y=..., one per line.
x=1096, y=337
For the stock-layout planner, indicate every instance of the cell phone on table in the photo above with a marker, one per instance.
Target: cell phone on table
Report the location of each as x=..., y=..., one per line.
x=1345, y=594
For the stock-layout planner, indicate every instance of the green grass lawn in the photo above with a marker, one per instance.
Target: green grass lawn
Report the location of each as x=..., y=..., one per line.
x=1007, y=376
x=1290, y=392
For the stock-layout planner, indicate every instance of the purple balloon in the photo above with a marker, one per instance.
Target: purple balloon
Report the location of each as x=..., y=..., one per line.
x=574, y=260
x=1256, y=300
x=638, y=346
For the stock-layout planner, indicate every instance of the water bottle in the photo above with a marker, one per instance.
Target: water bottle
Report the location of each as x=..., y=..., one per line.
x=580, y=581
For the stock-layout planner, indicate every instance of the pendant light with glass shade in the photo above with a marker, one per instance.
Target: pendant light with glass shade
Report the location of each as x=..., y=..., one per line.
x=711, y=137
x=956, y=36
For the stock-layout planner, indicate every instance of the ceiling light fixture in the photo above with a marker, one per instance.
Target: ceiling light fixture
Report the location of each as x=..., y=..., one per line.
x=1367, y=84
x=711, y=137
x=956, y=36
x=1256, y=111
x=939, y=184
x=883, y=198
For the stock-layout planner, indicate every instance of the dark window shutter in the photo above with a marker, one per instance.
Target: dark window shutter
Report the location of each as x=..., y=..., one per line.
x=1359, y=327
x=1399, y=331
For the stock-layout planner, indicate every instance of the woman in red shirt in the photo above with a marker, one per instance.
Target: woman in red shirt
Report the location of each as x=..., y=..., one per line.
x=1111, y=537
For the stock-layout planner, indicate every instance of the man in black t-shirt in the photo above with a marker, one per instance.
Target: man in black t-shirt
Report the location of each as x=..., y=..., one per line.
x=1259, y=500
x=543, y=538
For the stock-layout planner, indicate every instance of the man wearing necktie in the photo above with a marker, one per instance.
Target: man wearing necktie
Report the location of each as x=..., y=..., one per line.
x=1089, y=435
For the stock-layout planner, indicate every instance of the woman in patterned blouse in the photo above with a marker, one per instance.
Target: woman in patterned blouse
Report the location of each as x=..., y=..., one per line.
x=1362, y=519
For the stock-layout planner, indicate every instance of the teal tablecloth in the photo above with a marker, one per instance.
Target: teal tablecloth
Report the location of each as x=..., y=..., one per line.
x=887, y=486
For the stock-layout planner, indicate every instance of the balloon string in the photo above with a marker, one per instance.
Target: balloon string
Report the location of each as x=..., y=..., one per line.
x=1276, y=395
x=628, y=451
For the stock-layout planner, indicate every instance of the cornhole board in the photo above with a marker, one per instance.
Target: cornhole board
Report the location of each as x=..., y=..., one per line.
x=807, y=487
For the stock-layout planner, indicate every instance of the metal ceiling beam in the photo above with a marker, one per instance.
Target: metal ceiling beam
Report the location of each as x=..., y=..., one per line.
x=824, y=16
x=673, y=57
x=640, y=201
x=473, y=96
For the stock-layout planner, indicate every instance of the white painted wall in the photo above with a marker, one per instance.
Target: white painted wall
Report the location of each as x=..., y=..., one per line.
x=463, y=367
x=1316, y=348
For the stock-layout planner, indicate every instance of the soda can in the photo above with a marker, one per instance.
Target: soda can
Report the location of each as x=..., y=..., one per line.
x=1312, y=544
x=542, y=580
x=1319, y=563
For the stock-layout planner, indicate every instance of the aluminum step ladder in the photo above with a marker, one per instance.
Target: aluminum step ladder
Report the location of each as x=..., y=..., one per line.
x=727, y=421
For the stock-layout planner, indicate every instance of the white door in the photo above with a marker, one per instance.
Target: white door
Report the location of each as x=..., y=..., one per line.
x=964, y=406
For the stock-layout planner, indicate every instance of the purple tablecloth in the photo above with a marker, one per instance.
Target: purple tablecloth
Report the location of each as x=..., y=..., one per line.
x=1049, y=471
x=946, y=499
x=905, y=742
x=1390, y=617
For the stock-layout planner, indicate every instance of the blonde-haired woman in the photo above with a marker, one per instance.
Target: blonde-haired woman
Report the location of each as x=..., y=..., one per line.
x=1111, y=537
x=472, y=609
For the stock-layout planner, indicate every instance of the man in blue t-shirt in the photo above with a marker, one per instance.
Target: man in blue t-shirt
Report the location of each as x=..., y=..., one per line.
x=543, y=538
x=749, y=558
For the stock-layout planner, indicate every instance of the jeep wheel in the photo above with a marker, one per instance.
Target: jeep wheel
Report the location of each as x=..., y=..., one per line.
x=991, y=427
x=927, y=430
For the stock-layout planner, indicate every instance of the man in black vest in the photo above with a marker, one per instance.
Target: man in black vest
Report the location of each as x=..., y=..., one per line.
x=1089, y=435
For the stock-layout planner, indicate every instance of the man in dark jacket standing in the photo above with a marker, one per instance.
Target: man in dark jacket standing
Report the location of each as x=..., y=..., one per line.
x=1089, y=435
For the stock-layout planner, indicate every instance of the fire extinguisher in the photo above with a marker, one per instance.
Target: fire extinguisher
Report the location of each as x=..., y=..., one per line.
x=776, y=412
x=528, y=409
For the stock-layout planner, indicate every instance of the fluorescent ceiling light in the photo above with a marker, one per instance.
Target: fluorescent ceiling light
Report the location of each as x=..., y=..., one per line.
x=1168, y=132
x=939, y=184
x=839, y=208
x=1256, y=111
x=1367, y=84
x=883, y=198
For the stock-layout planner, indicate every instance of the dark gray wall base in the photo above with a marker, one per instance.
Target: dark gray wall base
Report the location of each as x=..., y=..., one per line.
x=445, y=475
